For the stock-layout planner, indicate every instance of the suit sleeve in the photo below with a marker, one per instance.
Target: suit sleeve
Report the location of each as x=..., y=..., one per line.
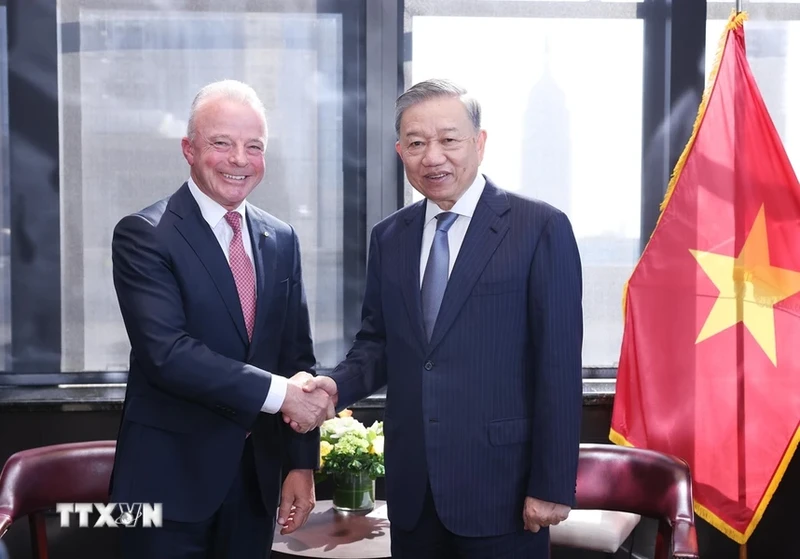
x=556, y=317
x=152, y=310
x=297, y=354
x=364, y=369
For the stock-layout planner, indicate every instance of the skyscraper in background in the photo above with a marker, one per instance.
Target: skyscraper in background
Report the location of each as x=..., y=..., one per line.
x=546, y=141
x=546, y=175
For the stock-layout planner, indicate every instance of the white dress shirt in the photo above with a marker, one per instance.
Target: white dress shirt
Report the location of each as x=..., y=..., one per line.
x=214, y=214
x=465, y=208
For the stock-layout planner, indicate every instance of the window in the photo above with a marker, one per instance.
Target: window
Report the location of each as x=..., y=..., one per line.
x=748, y=5
x=121, y=79
x=772, y=35
x=562, y=105
x=5, y=203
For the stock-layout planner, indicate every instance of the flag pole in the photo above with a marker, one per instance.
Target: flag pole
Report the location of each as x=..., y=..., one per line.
x=740, y=374
x=740, y=363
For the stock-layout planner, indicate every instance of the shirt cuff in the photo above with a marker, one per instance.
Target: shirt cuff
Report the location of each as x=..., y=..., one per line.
x=276, y=395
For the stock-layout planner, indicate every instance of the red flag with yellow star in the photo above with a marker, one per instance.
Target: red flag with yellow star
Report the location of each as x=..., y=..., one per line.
x=709, y=369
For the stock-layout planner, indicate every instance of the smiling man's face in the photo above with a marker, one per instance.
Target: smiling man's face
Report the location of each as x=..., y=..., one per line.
x=440, y=149
x=227, y=152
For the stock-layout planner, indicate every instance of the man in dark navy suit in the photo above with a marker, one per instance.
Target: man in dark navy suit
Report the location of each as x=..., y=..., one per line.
x=472, y=318
x=211, y=292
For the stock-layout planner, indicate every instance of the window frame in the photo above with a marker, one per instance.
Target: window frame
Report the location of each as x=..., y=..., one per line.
x=35, y=356
x=674, y=38
x=667, y=56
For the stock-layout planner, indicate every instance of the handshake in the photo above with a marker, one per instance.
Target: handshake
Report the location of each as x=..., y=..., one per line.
x=309, y=401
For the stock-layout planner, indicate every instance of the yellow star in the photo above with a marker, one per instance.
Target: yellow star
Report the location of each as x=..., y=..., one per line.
x=749, y=287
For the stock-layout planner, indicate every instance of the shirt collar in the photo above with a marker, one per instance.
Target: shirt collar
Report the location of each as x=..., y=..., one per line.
x=212, y=211
x=464, y=206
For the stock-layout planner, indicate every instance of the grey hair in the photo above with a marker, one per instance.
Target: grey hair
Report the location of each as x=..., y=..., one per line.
x=431, y=89
x=231, y=90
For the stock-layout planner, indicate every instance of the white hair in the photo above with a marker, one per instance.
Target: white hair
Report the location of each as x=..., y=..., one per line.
x=232, y=90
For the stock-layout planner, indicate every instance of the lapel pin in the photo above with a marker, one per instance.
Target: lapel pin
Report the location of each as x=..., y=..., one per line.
x=266, y=233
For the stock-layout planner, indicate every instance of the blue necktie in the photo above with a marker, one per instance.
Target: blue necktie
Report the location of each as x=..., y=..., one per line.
x=435, y=280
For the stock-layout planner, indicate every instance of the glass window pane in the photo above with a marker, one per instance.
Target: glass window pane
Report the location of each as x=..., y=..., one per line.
x=128, y=78
x=562, y=105
x=5, y=204
x=755, y=9
x=745, y=3
x=773, y=52
x=614, y=1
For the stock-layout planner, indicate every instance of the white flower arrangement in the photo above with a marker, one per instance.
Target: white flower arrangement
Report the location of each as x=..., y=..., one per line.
x=347, y=446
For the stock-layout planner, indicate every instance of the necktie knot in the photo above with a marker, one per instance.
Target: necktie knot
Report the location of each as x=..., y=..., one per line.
x=234, y=219
x=445, y=221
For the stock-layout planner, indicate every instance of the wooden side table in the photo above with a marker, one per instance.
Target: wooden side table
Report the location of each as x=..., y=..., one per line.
x=332, y=535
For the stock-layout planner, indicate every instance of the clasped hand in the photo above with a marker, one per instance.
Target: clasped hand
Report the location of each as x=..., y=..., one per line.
x=539, y=514
x=309, y=401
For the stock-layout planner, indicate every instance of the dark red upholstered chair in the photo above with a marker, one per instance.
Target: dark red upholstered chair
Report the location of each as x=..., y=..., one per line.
x=35, y=480
x=644, y=482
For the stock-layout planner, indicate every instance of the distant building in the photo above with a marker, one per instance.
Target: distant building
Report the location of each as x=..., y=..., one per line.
x=546, y=145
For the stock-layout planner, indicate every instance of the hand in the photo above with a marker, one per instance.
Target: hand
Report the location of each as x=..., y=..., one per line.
x=297, y=500
x=306, y=410
x=325, y=383
x=311, y=384
x=541, y=514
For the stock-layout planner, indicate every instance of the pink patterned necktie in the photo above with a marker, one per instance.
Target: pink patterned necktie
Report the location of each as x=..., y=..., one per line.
x=243, y=273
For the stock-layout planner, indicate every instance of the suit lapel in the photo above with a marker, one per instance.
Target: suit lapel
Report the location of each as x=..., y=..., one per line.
x=410, y=247
x=487, y=228
x=265, y=257
x=202, y=240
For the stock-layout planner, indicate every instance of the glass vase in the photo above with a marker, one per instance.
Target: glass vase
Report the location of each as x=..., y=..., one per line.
x=353, y=493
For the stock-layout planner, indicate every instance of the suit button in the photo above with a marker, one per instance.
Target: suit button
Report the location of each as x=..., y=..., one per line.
x=428, y=365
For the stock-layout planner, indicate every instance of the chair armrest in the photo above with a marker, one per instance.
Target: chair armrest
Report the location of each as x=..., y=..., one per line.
x=5, y=523
x=684, y=540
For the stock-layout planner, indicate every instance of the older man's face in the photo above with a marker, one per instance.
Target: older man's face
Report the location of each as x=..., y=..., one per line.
x=227, y=152
x=440, y=149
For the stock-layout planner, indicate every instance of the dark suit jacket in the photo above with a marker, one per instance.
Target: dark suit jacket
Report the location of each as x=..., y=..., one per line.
x=489, y=411
x=196, y=385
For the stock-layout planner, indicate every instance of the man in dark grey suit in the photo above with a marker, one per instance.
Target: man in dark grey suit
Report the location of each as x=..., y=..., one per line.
x=472, y=318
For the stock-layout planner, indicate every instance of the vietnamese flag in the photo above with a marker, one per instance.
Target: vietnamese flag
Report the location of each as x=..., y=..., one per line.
x=709, y=369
